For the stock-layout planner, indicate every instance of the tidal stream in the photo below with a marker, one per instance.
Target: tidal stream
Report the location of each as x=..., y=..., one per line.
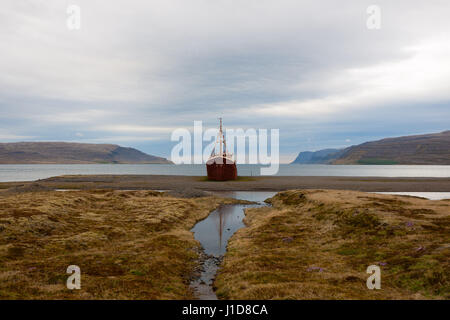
x=214, y=232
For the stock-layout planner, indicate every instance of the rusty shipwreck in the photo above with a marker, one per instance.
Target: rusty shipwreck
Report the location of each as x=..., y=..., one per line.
x=220, y=165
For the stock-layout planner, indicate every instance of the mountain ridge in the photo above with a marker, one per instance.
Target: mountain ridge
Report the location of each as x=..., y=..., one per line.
x=424, y=149
x=317, y=157
x=72, y=153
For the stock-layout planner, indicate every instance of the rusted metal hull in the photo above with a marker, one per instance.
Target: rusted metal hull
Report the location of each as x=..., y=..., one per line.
x=221, y=170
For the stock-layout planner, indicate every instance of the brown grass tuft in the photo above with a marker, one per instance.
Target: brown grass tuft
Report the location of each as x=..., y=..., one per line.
x=317, y=244
x=128, y=244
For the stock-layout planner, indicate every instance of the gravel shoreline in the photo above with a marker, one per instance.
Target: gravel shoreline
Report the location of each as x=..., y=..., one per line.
x=273, y=183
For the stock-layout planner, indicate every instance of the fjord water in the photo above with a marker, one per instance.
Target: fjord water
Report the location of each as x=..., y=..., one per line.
x=30, y=172
x=214, y=232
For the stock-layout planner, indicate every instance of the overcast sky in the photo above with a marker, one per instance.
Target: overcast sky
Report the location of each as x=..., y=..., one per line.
x=136, y=70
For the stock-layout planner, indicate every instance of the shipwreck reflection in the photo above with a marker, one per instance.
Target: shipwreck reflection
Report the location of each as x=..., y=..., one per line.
x=215, y=231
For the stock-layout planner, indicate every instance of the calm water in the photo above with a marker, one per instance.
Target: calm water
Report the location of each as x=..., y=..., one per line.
x=214, y=232
x=427, y=195
x=29, y=172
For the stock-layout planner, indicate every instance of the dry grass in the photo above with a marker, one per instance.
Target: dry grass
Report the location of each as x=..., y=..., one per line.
x=317, y=244
x=128, y=244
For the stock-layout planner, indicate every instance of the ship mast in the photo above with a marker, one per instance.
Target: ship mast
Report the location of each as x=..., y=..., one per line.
x=220, y=165
x=221, y=137
x=222, y=143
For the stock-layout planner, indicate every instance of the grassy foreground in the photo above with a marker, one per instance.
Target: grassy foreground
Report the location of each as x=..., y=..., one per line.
x=317, y=244
x=128, y=244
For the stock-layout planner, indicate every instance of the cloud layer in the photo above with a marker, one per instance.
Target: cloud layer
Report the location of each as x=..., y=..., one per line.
x=137, y=70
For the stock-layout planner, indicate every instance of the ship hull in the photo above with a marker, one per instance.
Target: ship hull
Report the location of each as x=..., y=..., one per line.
x=221, y=170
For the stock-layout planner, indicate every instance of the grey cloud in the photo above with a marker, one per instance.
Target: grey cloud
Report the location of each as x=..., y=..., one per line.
x=166, y=64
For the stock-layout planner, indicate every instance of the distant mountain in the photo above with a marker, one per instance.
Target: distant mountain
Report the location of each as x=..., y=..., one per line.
x=418, y=149
x=317, y=157
x=72, y=153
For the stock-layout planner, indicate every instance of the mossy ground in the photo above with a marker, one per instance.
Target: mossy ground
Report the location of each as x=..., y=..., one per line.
x=128, y=244
x=312, y=244
x=317, y=244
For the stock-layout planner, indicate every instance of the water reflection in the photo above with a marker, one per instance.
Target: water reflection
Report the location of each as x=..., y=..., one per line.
x=214, y=232
x=256, y=196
